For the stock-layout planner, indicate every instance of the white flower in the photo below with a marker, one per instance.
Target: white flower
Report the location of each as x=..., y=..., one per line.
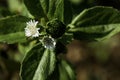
x=31, y=30
x=48, y=42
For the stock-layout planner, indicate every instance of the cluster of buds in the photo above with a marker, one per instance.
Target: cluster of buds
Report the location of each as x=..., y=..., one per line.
x=31, y=30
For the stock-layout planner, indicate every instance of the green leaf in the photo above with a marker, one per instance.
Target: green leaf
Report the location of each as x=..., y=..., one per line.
x=60, y=9
x=35, y=8
x=50, y=9
x=62, y=71
x=55, y=74
x=57, y=9
x=96, y=23
x=66, y=72
x=13, y=38
x=63, y=11
x=38, y=63
x=11, y=29
x=52, y=61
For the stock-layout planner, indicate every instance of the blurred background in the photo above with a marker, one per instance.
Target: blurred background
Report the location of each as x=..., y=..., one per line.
x=91, y=60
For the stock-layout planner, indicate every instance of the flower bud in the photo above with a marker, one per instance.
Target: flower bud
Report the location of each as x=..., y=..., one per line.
x=55, y=28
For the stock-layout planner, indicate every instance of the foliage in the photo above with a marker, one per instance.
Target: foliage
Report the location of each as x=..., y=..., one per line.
x=59, y=21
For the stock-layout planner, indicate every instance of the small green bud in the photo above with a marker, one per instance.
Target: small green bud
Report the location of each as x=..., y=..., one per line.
x=55, y=28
